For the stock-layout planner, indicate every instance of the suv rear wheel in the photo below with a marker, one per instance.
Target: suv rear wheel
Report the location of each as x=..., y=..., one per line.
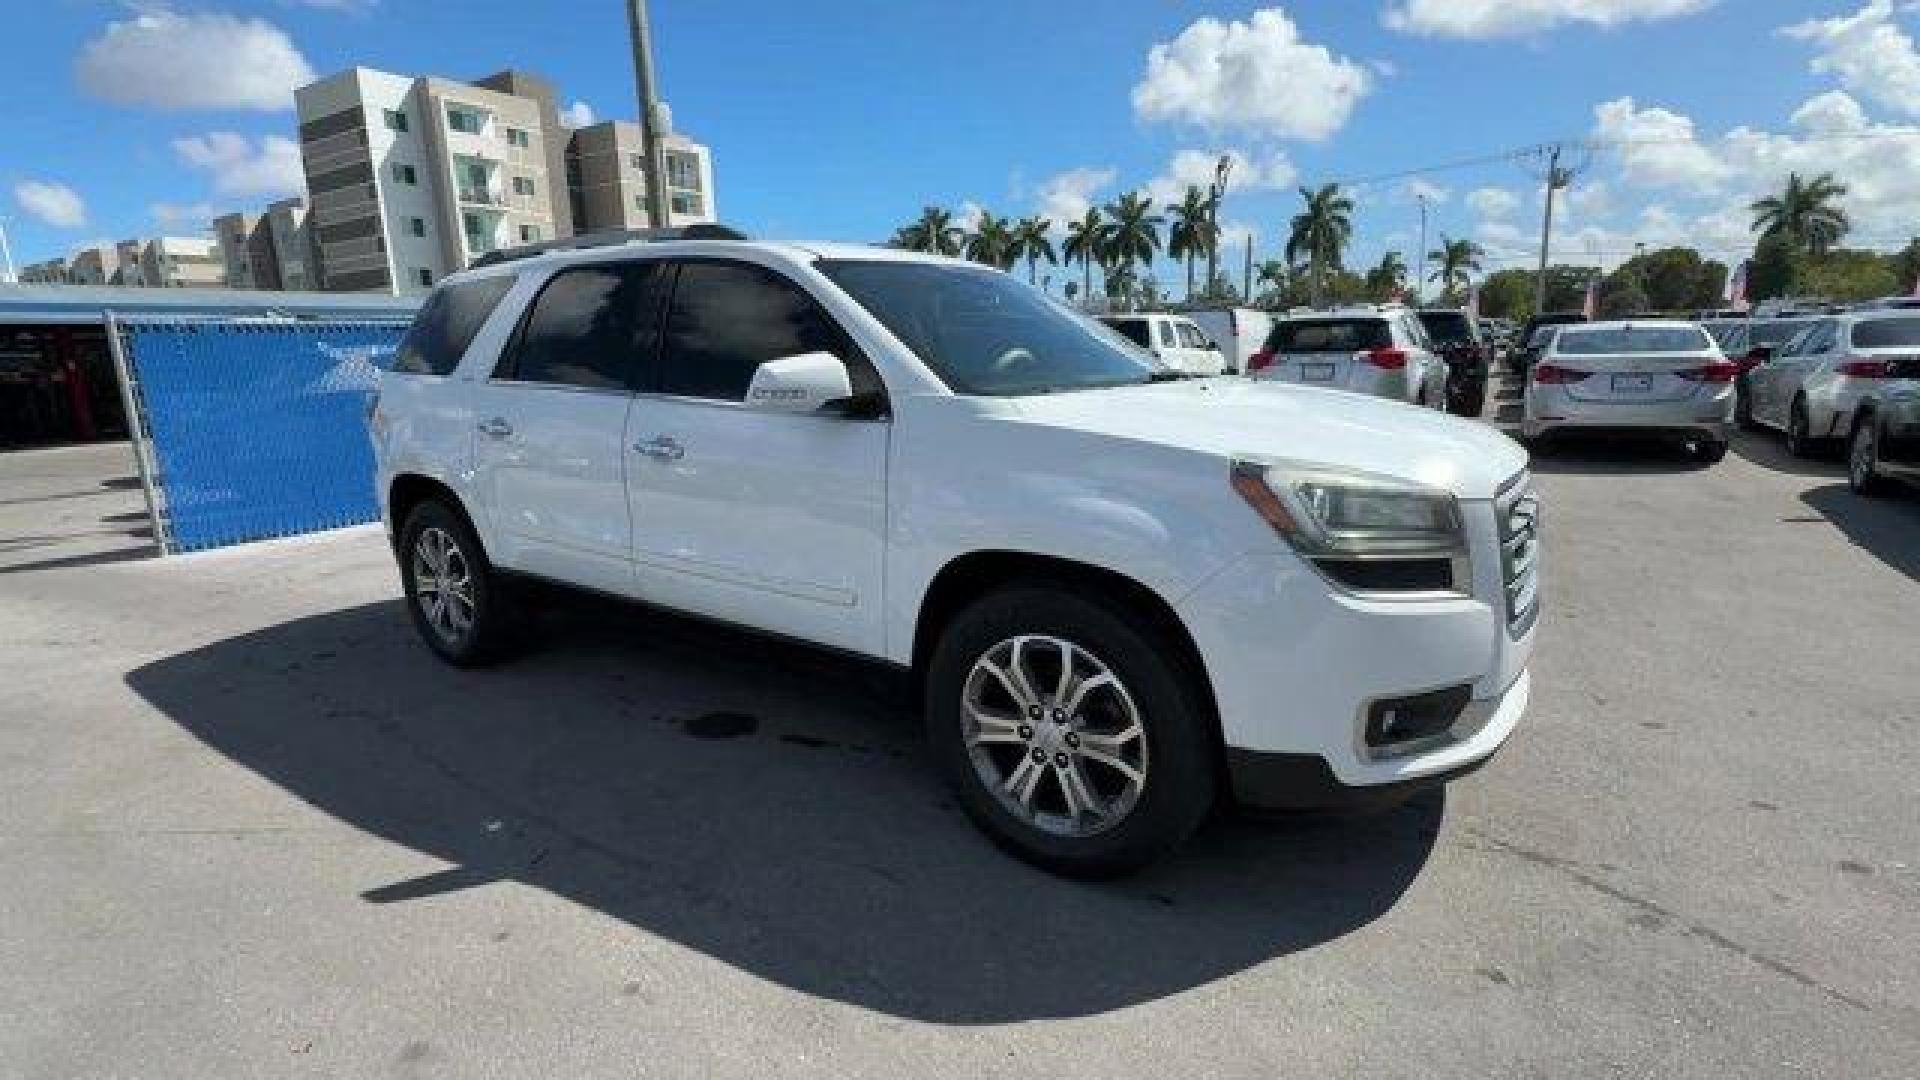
x=457, y=606
x=1072, y=737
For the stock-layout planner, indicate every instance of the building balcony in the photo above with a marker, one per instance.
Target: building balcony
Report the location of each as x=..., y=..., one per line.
x=477, y=196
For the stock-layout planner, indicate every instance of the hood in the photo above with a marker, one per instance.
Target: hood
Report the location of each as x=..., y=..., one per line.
x=1231, y=417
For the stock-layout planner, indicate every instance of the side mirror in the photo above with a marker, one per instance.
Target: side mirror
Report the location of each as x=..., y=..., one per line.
x=805, y=383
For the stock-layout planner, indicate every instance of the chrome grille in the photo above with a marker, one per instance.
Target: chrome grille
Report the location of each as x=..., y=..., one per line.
x=1519, y=518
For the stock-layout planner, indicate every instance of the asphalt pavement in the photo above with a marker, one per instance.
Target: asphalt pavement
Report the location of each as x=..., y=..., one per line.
x=248, y=827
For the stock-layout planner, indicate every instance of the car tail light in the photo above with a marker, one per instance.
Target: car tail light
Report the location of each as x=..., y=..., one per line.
x=1720, y=371
x=1553, y=374
x=1260, y=361
x=1389, y=359
x=1863, y=369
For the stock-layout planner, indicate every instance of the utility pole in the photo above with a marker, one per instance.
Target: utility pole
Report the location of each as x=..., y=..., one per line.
x=1246, y=282
x=1214, y=193
x=6, y=250
x=1420, y=275
x=1558, y=176
x=652, y=116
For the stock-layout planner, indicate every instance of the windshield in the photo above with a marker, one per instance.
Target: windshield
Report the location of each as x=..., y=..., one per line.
x=1612, y=340
x=986, y=333
x=1887, y=334
x=1448, y=327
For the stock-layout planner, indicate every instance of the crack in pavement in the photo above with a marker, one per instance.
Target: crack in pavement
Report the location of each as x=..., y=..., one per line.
x=1646, y=908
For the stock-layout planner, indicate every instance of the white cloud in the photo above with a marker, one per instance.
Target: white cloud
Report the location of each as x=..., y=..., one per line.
x=1492, y=203
x=1515, y=18
x=1419, y=188
x=577, y=115
x=1195, y=168
x=1257, y=75
x=354, y=7
x=1065, y=196
x=201, y=60
x=55, y=204
x=1657, y=146
x=1867, y=53
x=969, y=216
x=240, y=168
x=194, y=216
x=1832, y=113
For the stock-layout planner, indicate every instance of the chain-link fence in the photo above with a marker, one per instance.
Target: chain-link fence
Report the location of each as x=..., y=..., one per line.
x=251, y=429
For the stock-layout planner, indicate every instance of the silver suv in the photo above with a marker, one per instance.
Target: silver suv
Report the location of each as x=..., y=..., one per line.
x=1376, y=349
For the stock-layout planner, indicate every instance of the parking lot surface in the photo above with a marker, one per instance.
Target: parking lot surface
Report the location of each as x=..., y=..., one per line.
x=251, y=828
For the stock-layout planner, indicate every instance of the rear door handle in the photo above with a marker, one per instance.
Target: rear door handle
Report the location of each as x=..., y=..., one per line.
x=496, y=428
x=661, y=448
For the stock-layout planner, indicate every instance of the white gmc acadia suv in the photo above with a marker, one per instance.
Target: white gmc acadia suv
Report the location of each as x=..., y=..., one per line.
x=1128, y=595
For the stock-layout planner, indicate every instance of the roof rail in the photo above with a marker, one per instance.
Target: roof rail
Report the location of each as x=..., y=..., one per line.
x=609, y=238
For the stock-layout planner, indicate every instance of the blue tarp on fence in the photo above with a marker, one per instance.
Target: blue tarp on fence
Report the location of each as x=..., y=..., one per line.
x=258, y=429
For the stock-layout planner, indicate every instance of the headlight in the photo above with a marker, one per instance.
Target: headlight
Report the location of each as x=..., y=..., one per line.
x=1330, y=514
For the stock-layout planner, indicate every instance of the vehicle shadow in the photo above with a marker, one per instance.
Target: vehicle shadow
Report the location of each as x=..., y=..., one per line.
x=1609, y=455
x=764, y=804
x=1769, y=451
x=1888, y=527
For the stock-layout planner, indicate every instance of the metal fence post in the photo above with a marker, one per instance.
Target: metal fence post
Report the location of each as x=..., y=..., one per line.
x=137, y=433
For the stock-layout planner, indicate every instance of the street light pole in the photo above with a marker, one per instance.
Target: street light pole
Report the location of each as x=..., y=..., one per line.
x=652, y=117
x=1219, y=189
x=6, y=250
x=1420, y=257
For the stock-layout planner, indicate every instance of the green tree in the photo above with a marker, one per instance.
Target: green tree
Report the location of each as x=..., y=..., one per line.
x=1849, y=276
x=1805, y=213
x=1133, y=233
x=1621, y=294
x=1508, y=294
x=1032, y=243
x=1776, y=268
x=935, y=233
x=1319, y=234
x=1086, y=244
x=1455, y=263
x=1191, y=233
x=991, y=241
x=1389, y=278
x=1567, y=286
x=1672, y=279
x=1906, y=266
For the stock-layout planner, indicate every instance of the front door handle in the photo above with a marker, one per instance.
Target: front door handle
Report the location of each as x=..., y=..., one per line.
x=496, y=428
x=661, y=448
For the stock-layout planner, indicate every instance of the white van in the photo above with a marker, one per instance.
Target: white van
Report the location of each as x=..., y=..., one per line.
x=1174, y=339
x=1238, y=331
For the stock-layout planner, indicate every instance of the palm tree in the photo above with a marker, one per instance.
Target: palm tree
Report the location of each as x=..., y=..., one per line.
x=991, y=241
x=1321, y=232
x=1455, y=262
x=1192, y=233
x=1032, y=243
x=1388, y=278
x=1087, y=244
x=1804, y=213
x=1133, y=233
x=935, y=233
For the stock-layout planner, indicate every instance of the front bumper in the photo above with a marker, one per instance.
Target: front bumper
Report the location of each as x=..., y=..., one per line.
x=1295, y=665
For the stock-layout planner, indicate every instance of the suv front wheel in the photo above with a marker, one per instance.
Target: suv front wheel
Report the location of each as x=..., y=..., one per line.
x=1073, y=739
x=457, y=606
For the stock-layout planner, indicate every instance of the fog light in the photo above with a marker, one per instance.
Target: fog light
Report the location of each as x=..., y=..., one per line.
x=1392, y=721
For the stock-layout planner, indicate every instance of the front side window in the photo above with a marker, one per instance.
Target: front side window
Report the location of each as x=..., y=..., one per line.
x=590, y=327
x=984, y=332
x=1190, y=336
x=447, y=324
x=726, y=319
x=1167, y=340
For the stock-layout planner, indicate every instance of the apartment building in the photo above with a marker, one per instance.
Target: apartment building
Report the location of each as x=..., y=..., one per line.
x=94, y=265
x=409, y=179
x=244, y=265
x=606, y=170
x=54, y=271
x=128, y=269
x=182, y=262
x=272, y=249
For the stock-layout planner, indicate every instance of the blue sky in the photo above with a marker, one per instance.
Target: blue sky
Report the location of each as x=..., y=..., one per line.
x=839, y=120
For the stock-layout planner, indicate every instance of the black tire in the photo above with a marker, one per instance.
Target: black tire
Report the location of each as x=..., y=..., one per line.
x=1800, y=441
x=1863, y=460
x=1708, y=451
x=1473, y=403
x=1743, y=408
x=490, y=628
x=1178, y=747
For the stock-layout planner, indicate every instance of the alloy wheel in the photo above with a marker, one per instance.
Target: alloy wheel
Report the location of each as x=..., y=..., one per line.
x=1054, y=734
x=443, y=584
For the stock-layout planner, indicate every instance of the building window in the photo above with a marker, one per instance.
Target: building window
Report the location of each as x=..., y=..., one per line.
x=424, y=276
x=523, y=185
x=638, y=161
x=640, y=203
x=404, y=174
x=517, y=137
x=417, y=226
x=683, y=170
x=463, y=121
x=529, y=234
x=686, y=202
x=396, y=120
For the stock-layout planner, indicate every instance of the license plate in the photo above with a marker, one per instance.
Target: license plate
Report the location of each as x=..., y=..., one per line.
x=1632, y=384
x=1316, y=372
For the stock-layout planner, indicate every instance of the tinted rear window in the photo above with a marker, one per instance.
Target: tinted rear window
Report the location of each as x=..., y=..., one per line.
x=1776, y=332
x=1329, y=335
x=1448, y=327
x=445, y=327
x=1887, y=334
x=1134, y=330
x=1579, y=341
